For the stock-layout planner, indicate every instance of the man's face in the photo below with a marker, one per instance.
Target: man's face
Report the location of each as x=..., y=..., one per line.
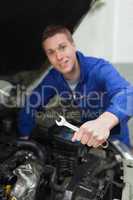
x=61, y=53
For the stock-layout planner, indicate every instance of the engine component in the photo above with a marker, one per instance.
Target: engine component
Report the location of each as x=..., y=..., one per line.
x=21, y=173
x=64, y=153
x=127, y=193
x=5, y=91
x=28, y=177
x=94, y=178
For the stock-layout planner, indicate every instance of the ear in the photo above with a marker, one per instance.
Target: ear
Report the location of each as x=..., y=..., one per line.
x=73, y=44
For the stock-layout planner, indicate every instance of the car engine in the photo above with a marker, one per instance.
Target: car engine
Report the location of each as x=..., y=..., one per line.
x=50, y=166
x=60, y=170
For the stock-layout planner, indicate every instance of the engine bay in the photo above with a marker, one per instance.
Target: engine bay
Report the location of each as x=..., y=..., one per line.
x=54, y=168
x=50, y=166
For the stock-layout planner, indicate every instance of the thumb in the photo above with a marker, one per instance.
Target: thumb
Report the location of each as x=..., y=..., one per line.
x=74, y=138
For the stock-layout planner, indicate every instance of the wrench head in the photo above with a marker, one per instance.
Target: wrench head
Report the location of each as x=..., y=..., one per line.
x=61, y=122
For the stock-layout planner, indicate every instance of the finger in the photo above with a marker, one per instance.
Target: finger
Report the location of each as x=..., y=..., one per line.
x=86, y=131
x=91, y=141
x=86, y=135
x=74, y=138
x=98, y=143
x=84, y=138
x=103, y=136
x=79, y=135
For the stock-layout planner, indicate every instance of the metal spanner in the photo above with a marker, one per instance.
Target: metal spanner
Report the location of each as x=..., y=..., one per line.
x=64, y=122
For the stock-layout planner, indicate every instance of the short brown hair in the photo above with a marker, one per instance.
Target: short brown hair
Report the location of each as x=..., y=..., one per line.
x=54, y=29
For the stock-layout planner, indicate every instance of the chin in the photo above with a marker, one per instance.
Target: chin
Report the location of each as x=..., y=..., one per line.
x=68, y=70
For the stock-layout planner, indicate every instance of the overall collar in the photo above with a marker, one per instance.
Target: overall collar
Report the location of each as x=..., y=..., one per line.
x=83, y=66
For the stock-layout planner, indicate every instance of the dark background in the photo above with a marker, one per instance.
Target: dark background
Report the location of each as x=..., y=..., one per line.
x=22, y=23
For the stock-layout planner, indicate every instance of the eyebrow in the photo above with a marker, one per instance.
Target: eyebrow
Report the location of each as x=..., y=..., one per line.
x=63, y=43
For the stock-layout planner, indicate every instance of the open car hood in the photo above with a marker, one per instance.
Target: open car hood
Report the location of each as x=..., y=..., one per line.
x=22, y=23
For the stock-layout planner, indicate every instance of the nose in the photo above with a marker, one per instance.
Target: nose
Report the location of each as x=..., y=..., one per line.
x=59, y=55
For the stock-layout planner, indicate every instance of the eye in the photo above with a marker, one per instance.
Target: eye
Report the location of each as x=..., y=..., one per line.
x=62, y=47
x=50, y=53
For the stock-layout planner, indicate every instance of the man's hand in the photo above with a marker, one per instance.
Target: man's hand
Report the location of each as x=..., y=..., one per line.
x=92, y=133
x=96, y=132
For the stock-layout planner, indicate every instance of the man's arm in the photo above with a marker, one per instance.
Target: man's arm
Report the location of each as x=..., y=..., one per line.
x=39, y=98
x=95, y=132
x=119, y=108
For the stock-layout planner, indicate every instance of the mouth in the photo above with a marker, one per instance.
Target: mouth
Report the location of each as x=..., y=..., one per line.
x=64, y=63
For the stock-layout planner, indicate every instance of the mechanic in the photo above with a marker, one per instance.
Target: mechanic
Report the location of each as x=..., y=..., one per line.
x=93, y=84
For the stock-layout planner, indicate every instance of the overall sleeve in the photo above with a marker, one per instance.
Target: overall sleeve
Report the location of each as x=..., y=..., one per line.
x=39, y=97
x=119, y=91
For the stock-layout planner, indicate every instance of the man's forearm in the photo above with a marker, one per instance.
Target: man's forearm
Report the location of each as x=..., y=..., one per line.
x=108, y=119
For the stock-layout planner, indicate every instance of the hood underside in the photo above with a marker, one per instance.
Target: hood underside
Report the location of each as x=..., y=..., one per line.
x=22, y=23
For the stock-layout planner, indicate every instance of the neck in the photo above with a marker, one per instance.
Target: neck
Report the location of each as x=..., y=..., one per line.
x=74, y=74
